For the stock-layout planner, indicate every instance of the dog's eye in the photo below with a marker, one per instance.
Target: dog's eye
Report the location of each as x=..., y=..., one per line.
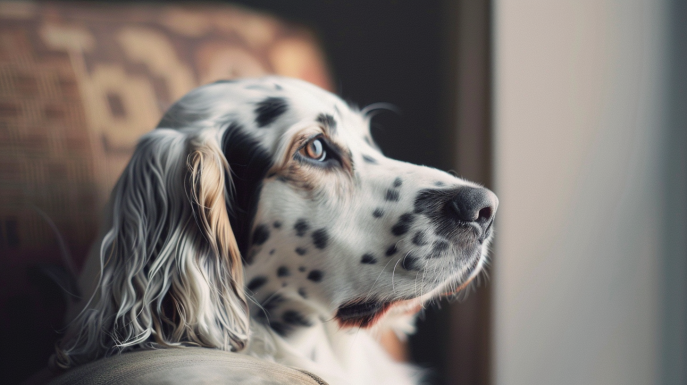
x=315, y=150
x=319, y=152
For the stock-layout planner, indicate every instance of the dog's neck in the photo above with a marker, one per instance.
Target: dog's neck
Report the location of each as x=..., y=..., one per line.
x=339, y=356
x=292, y=324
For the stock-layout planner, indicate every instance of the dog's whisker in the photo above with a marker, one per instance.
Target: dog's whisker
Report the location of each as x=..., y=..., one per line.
x=393, y=274
x=369, y=292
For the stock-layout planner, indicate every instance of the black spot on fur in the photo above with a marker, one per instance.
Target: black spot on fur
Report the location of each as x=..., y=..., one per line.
x=327, y=120
x=249, y=163
x=268, y=110
x=377, y=213
x=409, y=262
x=403, y=224
x=437, y=248
x=439, y=183
x=271, y=303
x=292, y=317
x=280, y=328
x=392, y=195
x=283, y=271
x=368, y=259
x=301, y=250
x=440, y=245
x=301, y=227
x=277, y=87
x=391, y=250
x=419, y=238
x=301, y=269
x=368, y=140
x=261, y=234
x=272, y=251
x=315, y=276
x=256, y=283
x=320, y=238
x=277, y=224
x=369, y=159
x=398, y=182
x=302, y=293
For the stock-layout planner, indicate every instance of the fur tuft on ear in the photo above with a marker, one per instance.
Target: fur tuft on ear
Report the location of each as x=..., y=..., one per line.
x=170, y=268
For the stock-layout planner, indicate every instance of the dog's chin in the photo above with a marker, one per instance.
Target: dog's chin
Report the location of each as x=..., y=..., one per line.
x=366, y=312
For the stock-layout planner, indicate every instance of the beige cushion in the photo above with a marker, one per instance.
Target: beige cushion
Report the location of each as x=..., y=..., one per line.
x=185, y=366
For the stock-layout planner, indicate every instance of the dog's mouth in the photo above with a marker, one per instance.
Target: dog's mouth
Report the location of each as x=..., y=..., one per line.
x=361, y=314
x=365, y=313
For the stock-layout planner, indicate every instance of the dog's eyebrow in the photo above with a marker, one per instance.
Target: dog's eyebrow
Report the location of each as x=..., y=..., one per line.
x=328, y=121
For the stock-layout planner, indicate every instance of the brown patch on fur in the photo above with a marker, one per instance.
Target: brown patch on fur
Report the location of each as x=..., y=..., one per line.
x=305, y=177
x=207, y=169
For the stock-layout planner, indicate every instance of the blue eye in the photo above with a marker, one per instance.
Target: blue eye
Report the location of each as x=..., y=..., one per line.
x=315, y=150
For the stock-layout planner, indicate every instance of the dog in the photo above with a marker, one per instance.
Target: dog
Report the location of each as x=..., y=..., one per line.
x=260, y=217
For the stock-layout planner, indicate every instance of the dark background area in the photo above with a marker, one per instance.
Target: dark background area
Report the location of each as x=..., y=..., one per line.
x=384, y=51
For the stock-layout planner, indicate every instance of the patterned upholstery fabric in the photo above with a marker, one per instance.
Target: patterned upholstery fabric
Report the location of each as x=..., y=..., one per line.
x=79, y=84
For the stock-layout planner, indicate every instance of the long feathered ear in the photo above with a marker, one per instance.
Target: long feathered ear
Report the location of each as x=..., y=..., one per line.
x=171, y=271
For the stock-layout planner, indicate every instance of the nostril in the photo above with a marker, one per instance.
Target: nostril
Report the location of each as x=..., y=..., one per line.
x=485, y=214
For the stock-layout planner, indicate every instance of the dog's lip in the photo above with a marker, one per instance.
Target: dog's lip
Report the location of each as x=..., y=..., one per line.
x=365, y=313
x=361, y=313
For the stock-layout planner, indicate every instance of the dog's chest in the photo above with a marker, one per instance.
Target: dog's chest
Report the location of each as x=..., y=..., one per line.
x=341, y=358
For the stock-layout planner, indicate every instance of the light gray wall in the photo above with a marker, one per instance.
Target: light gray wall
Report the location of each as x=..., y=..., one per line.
x=579, y=93
x=674, y=278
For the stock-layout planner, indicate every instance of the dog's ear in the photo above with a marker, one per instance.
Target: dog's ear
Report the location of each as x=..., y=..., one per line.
x=209, y=176
x=170, y=269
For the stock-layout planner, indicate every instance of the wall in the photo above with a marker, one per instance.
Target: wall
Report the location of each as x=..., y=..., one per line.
x=580, y=98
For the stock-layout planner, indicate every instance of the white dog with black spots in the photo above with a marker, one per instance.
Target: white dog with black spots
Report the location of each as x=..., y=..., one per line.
x=260, y=217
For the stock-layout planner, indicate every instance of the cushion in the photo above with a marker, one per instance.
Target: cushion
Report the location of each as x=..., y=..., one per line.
x=185, y=366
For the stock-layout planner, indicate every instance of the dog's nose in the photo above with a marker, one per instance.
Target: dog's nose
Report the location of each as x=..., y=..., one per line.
x=474, y=205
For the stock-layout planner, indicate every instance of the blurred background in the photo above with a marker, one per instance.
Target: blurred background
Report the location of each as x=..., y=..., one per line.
x=573, y=112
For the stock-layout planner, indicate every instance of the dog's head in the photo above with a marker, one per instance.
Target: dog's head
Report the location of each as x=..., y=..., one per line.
x=272, y=189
